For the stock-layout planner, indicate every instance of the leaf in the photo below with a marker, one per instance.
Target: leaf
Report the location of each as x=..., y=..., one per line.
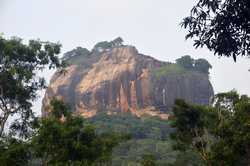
x=197, y=43
x=234, y=57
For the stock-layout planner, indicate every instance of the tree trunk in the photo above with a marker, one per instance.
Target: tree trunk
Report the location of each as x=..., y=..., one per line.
x=2, y=123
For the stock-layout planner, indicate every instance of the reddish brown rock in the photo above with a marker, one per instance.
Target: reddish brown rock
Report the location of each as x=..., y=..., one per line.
x=121, y=79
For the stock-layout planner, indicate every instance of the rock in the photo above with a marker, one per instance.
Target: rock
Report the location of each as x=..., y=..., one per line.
x=122, y=80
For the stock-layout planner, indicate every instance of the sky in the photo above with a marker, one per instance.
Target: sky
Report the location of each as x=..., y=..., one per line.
x=153, y=26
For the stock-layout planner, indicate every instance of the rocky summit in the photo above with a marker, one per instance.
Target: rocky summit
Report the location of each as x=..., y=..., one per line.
x=117, y=78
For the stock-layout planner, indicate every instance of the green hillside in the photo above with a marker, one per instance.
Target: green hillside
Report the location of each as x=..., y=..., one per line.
x=148, y=136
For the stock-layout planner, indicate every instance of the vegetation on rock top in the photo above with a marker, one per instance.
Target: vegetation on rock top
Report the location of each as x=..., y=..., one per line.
x=184, y=65
x=79, y=55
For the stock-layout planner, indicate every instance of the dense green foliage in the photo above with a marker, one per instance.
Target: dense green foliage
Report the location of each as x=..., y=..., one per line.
x=103, y=45
x=222, y=26
x=149, y=136
x=186, y=62
x=63, y=138
x=148, y=160
x=77, y=56
x=184, y=65
x=19, y=82
x=132, y=151
x=13, y=152
x=60, y=139
x=139, y=128
x=219, y=134
x=78, y=51
x=200, y=65
x=149, y=141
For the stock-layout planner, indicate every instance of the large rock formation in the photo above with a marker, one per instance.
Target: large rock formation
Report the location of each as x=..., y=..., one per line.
x=119, y=79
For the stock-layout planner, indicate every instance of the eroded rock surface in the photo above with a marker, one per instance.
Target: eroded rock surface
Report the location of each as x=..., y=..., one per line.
x=122, y=80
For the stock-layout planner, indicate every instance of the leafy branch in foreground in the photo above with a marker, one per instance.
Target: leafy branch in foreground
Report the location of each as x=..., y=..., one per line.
x=19, y=64
x=222, y=26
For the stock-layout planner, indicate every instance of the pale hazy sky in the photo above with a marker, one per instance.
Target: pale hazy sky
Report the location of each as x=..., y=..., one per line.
x=150, y=25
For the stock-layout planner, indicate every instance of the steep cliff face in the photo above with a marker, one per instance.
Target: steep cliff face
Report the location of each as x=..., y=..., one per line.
x=121, y=80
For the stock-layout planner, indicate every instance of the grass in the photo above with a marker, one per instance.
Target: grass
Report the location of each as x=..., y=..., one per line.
x=169, y=69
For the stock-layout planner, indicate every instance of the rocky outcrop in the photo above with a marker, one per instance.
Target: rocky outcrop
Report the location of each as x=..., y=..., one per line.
x=122, y=80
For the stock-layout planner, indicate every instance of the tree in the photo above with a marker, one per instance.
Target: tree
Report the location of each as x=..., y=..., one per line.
x=192, y=123
x=232, y=146
x=14, y=152
x=227, y=100
x=78, y=51
x=103, y=45
x=202, y=65
x=221, y=26
x=148, y=160
x=186, y=62
x=19, y=82
x=66, y=139
x=220, y=135
x=117, y=42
